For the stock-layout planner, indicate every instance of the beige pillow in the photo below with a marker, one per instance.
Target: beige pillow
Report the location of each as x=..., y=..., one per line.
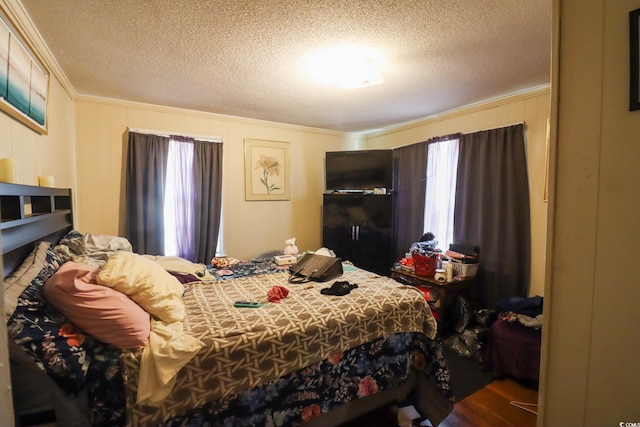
x=17, y=281
x=145, y=282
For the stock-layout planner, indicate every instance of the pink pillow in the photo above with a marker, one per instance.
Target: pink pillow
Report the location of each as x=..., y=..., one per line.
x=107, y=314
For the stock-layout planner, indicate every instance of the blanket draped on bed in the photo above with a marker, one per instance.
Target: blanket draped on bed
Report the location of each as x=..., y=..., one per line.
x=245, y=348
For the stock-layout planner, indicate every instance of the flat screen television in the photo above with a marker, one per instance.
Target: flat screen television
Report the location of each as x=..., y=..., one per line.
x=359, y=170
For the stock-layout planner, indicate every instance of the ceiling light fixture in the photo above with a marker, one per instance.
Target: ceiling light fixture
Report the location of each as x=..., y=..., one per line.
x=350, y=67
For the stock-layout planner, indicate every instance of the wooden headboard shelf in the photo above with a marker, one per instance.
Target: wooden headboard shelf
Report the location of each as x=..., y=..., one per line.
x=28, y=215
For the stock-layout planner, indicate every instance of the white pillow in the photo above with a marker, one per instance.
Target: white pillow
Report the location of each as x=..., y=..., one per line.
x=145, y=282
x=181, y=265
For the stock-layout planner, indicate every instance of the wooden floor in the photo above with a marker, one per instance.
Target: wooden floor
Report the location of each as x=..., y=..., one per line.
x=488, y=407
x=491, y=406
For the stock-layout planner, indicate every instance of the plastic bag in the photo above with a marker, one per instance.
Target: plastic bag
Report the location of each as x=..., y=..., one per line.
x=485, y=316
x=459, y=314
x=465, y=344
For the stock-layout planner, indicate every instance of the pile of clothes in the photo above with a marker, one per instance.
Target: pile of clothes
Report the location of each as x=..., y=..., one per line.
x=527, y=311
x=426, y=245
x=471, y=327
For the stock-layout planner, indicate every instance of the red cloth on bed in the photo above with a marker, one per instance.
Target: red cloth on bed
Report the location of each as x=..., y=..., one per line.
x=277, y=293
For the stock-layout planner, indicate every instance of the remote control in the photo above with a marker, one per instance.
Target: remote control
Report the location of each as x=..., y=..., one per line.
x=247, y=304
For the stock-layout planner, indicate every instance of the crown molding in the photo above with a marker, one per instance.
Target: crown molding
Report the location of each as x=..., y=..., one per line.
x=207, y=115
x=467, y=109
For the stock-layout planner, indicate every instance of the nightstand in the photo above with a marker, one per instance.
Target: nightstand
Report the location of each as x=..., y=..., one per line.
x=442, y=292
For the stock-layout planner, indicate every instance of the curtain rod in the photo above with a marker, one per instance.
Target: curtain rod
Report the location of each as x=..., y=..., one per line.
x=465, y=133
x=208, y=138
x=522, y=122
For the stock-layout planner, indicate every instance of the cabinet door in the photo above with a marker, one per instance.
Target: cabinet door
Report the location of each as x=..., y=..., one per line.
x=359, y=228
x=373, y=247
x=337, y=225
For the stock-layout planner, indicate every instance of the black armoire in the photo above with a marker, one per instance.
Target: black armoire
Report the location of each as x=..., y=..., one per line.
x=358, y=227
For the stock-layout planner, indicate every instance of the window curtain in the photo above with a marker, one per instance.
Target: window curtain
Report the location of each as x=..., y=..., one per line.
x=492, y=210
x=410, y=162
x=145, y=191
x=196, y=188
x=180, y=208
x=411, y=166
x=207, y=166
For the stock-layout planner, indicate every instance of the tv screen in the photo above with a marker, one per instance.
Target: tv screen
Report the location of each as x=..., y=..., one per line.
x=359, y=170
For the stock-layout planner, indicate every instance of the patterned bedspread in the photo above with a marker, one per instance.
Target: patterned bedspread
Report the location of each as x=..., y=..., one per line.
x=245, y=348
x=301, y=396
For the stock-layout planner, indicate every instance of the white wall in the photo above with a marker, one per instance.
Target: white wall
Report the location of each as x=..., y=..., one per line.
x=248, y=227
x=39, y=155
x=532, y=108
x=591, y=369
x=251, y=227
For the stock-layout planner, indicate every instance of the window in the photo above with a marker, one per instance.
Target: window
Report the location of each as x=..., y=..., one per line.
x=178, y=195
x=442, y=162
x=180, y=177
x=179, y=201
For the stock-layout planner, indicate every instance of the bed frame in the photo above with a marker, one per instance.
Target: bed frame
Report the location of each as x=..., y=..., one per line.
x=28, y=215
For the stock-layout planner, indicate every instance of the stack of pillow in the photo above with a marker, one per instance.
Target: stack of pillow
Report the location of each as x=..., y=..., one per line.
x=57, y=310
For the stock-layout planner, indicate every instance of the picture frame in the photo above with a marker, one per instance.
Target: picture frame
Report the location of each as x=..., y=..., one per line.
x=266, y=167
x=24, y=80
x=634, y=62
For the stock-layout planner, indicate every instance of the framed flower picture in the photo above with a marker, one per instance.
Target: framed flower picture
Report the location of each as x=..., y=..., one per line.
x=266, y=170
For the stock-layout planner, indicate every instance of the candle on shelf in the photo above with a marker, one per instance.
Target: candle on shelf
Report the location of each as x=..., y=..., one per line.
x=46, y=181
x=7, y=170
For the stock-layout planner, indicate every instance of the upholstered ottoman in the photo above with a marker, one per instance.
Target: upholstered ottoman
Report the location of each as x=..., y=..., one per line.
x=513, y=349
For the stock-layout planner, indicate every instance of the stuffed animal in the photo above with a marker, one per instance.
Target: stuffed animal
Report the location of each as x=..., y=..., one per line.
x=291, y=248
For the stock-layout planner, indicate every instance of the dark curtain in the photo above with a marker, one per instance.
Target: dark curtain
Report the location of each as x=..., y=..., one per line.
x=145, y=189
x=492, y=210
x=207, y=166
x=410, y=162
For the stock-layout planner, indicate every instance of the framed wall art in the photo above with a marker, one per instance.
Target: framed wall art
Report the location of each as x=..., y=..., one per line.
x=24, y=80
x=634, y=60
x=266, y=169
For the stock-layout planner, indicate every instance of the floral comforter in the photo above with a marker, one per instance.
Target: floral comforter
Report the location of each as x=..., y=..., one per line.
x=301, y=396
x=294, y=398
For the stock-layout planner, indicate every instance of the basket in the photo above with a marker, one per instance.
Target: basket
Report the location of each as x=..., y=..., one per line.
x=424, y=266
x=464, y=270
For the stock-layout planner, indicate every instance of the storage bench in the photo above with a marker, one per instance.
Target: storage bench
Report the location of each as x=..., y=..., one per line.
x=513, y=349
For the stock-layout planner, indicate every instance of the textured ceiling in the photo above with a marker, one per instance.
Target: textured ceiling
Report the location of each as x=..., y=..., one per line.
x=250, y=58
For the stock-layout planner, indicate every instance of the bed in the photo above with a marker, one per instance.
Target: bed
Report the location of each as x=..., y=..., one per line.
x=311, y=359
